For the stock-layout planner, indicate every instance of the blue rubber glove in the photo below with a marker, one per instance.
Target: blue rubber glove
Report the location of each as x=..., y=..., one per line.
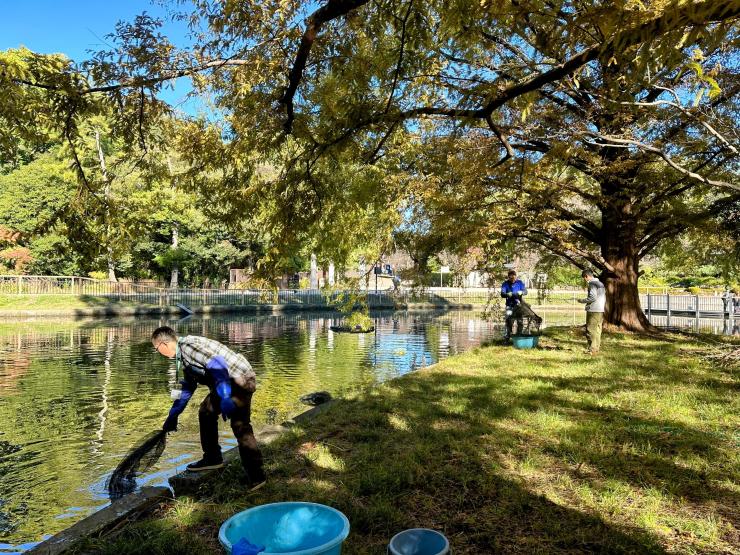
x=227, y=407
x=170, y=425
x=245, y=547
x=219, y=369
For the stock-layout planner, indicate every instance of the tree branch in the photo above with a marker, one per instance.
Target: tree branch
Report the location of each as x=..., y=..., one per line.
x=616, y=142
x=690, y=14
x=677, y=104
x=560, y=252
x=331, y=10
x=400, y=56
x=140, y=82
x=501, y=137
x=696, y=13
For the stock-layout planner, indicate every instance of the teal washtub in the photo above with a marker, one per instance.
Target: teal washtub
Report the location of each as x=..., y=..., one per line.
x=419, y=541
x=288, y=528
x=525, y=341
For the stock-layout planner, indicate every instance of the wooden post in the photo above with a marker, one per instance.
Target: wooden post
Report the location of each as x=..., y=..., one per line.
x=19, y=284
x=731, y=311
x=649, y=306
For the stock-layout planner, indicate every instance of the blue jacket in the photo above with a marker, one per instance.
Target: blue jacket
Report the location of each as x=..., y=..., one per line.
x=514, y=288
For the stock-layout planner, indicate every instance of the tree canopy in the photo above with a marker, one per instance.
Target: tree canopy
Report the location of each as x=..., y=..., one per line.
x=595, y=131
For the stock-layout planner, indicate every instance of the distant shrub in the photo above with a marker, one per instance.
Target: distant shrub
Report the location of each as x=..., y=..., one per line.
x=253, y=282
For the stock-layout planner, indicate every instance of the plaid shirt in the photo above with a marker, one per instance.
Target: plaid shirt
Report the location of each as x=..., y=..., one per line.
x=196, y=351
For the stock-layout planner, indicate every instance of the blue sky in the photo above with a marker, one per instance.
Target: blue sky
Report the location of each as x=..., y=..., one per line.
x=73, y=27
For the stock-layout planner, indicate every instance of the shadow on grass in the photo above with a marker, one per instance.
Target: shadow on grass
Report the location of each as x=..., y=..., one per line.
x=436, y=449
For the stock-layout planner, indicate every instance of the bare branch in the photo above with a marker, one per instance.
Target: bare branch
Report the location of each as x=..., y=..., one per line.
x=677, y=104
x=501, y=137
x=616, y=142
x=374, y=155
x=139, y=82
x=543, y=242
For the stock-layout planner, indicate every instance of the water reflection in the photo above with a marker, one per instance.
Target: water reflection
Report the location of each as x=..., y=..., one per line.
x=75, y=396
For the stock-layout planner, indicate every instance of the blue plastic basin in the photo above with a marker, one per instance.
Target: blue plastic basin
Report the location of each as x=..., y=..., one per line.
x=419, y=541
x=525, y=341
x=295, y=528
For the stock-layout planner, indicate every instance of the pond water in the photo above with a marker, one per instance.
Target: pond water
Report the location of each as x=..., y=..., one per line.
x=75, y=396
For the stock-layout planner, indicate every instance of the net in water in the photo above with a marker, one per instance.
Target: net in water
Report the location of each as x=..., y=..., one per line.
x=139, y=460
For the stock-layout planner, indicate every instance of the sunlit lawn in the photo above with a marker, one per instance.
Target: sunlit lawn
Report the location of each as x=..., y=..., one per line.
x=52, y=302
x=545, y=451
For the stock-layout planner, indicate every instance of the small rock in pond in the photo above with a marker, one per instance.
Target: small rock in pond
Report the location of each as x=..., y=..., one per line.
x=317, y=398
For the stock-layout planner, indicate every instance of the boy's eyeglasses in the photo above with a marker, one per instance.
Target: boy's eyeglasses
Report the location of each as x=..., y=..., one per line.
x=156, y=349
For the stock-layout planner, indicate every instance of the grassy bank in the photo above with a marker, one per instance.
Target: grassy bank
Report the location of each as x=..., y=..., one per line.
x=10, y=303
x=545, y=451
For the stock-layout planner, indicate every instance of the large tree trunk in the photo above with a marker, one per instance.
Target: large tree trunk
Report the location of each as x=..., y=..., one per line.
x=620, y=253
x=622, y=299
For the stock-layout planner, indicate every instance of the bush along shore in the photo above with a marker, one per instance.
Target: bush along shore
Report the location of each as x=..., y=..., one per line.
x=542, y=451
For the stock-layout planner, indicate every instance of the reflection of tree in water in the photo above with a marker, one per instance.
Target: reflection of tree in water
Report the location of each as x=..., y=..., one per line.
x=13, y=365
x=88, y=391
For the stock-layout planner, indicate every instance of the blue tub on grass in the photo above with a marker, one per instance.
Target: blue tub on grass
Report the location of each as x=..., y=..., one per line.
x=525, y=341
x=419, y=541
x=289, y=528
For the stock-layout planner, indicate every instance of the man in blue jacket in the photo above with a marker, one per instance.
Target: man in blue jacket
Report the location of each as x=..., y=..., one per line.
x=231, y=382
x=512, y=290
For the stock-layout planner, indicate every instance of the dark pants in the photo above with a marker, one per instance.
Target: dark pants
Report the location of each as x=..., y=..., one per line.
x=515, y=316
x=249, y=453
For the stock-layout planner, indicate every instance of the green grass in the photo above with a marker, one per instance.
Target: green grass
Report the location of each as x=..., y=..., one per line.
x=10, y=303
x=543, y=451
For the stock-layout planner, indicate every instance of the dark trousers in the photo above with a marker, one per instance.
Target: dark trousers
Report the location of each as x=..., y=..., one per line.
x=249, y=453
x=515, y=316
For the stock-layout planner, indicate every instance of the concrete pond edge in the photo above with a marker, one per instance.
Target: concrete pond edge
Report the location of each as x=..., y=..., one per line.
x=134, y=506
x=143, y=310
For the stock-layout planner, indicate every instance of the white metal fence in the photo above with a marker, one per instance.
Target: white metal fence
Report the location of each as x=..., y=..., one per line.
x=653, y=303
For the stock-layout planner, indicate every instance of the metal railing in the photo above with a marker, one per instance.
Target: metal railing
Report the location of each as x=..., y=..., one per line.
x=125, y=291
x=73, y=285
x=693, y=305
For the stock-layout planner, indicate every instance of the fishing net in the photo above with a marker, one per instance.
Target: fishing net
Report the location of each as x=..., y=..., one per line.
x=139, y=460
x=527, y=321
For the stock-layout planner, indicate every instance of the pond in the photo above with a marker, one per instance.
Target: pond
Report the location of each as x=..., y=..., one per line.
x=76, y=395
